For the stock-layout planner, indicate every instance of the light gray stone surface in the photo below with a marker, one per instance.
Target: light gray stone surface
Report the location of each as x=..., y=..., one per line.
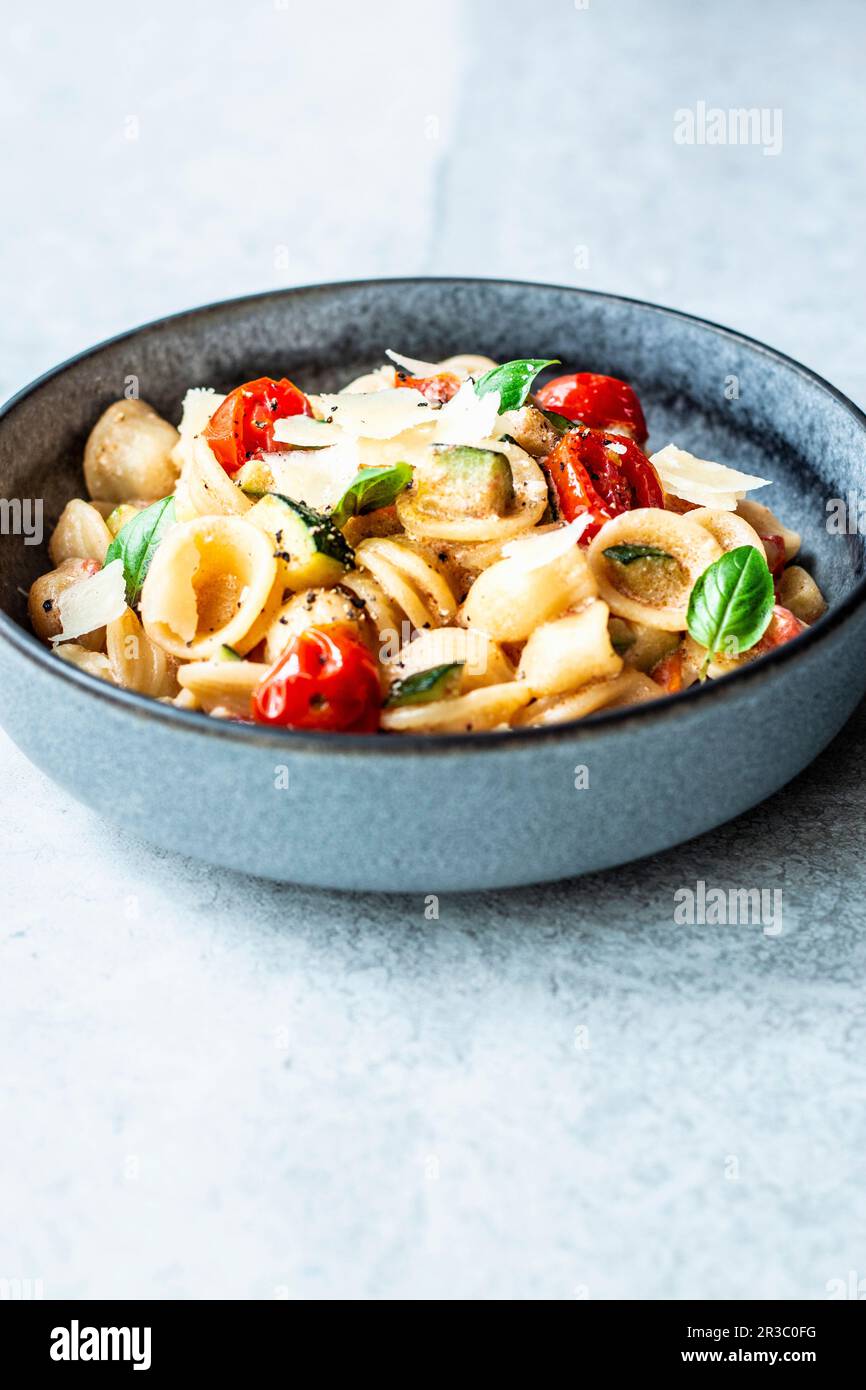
x=215, y=1086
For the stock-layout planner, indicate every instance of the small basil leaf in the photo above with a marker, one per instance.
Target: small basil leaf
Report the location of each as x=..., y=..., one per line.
x=512, y=380
x=732, y=603
x=627, y=554
x=371, y=489
x=560, y=423
x=135, y=544
x=424, y=686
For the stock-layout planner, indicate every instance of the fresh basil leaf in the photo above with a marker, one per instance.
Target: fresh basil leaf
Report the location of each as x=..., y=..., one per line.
x=424, y=686
x=136, y=543
x=627, y=554
x=561, y=423
x=731, y=605
x=371, y=489
x=512, y=380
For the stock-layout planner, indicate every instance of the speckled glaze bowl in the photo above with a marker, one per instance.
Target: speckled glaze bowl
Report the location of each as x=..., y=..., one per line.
x=463, y=811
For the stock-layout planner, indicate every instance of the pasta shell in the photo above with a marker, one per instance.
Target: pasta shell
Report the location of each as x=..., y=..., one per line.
x=484, y=708
x=656, y=594
x=208, y=585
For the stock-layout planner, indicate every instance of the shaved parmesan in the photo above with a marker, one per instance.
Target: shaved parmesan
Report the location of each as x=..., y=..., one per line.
x=413, y=365
x=699, y=480
x=466, y=418
x=542, y=548
x=377, y=414
x=199, y=404
x=303, y=432
x=92, y=603
x=318, y=477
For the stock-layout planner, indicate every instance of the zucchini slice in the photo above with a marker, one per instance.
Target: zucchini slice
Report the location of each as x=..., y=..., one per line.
x=436, y=683
x=310, y=551
x=255, y=478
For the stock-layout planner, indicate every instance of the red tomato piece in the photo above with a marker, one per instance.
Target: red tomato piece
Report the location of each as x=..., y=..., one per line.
x=244, y=424
x=602, y=402
x=436, y=389
x=603, y=475
x=668, y=673
x=774, y=547
x=782, y=627
x=326, y=679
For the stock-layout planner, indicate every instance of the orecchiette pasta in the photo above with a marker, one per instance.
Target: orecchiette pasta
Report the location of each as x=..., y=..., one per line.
x=80, y=534
x=94, y=663
x=437, y=548
x=485, y=707
x=799, y=593
x=129, y=453
x=570, y=652
x=204, y=489
x=654, y=590
x=410, y=581
x=312, y=608
x=222, y=684
x=512, y=598
x=44, y=602
x=766, y=523
x=136, y=662
x=482, y=661
x=208, y=586
x=629, y=688
x=524, y=510
x=727, y=528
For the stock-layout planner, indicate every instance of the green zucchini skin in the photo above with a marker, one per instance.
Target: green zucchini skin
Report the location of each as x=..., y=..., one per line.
x=310, y=549
x=422, y=687
x=465, y=481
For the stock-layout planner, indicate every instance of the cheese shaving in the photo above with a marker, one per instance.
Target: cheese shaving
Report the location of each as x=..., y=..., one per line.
x=413, y=365
x=701, y=481
x=199, y=404
x=318, y=477
x=467, y=417
x=92, y=603
x=303, y=432
x=377, y=414
x=534, y=551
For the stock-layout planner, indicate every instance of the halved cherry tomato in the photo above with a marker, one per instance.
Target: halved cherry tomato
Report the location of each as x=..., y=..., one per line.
x=244, y=423
x=782, y=627
x=436, y=389
x=602, y=402
x=668, y=673
x=602, y=474
x=774, y=546
x=325, y=679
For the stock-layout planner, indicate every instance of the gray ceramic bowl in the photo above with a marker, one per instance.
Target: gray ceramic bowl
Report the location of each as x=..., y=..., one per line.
x=463, y=811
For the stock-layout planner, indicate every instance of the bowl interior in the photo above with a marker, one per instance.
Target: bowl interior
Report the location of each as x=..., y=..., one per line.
x=710, y=391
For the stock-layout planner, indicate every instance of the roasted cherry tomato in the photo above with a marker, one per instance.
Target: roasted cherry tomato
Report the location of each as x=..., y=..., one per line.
x=782, y=627
x=602, y=402
x=668, y=673
x=244, y=424
x=774, y=547
x=436, y=389
x=601, y=474
x=325, y=679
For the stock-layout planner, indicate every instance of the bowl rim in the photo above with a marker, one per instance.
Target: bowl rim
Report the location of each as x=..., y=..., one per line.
x=296, y=740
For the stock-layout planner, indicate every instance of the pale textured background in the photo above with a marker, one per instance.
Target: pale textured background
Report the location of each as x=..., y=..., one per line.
x=215, y=1086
